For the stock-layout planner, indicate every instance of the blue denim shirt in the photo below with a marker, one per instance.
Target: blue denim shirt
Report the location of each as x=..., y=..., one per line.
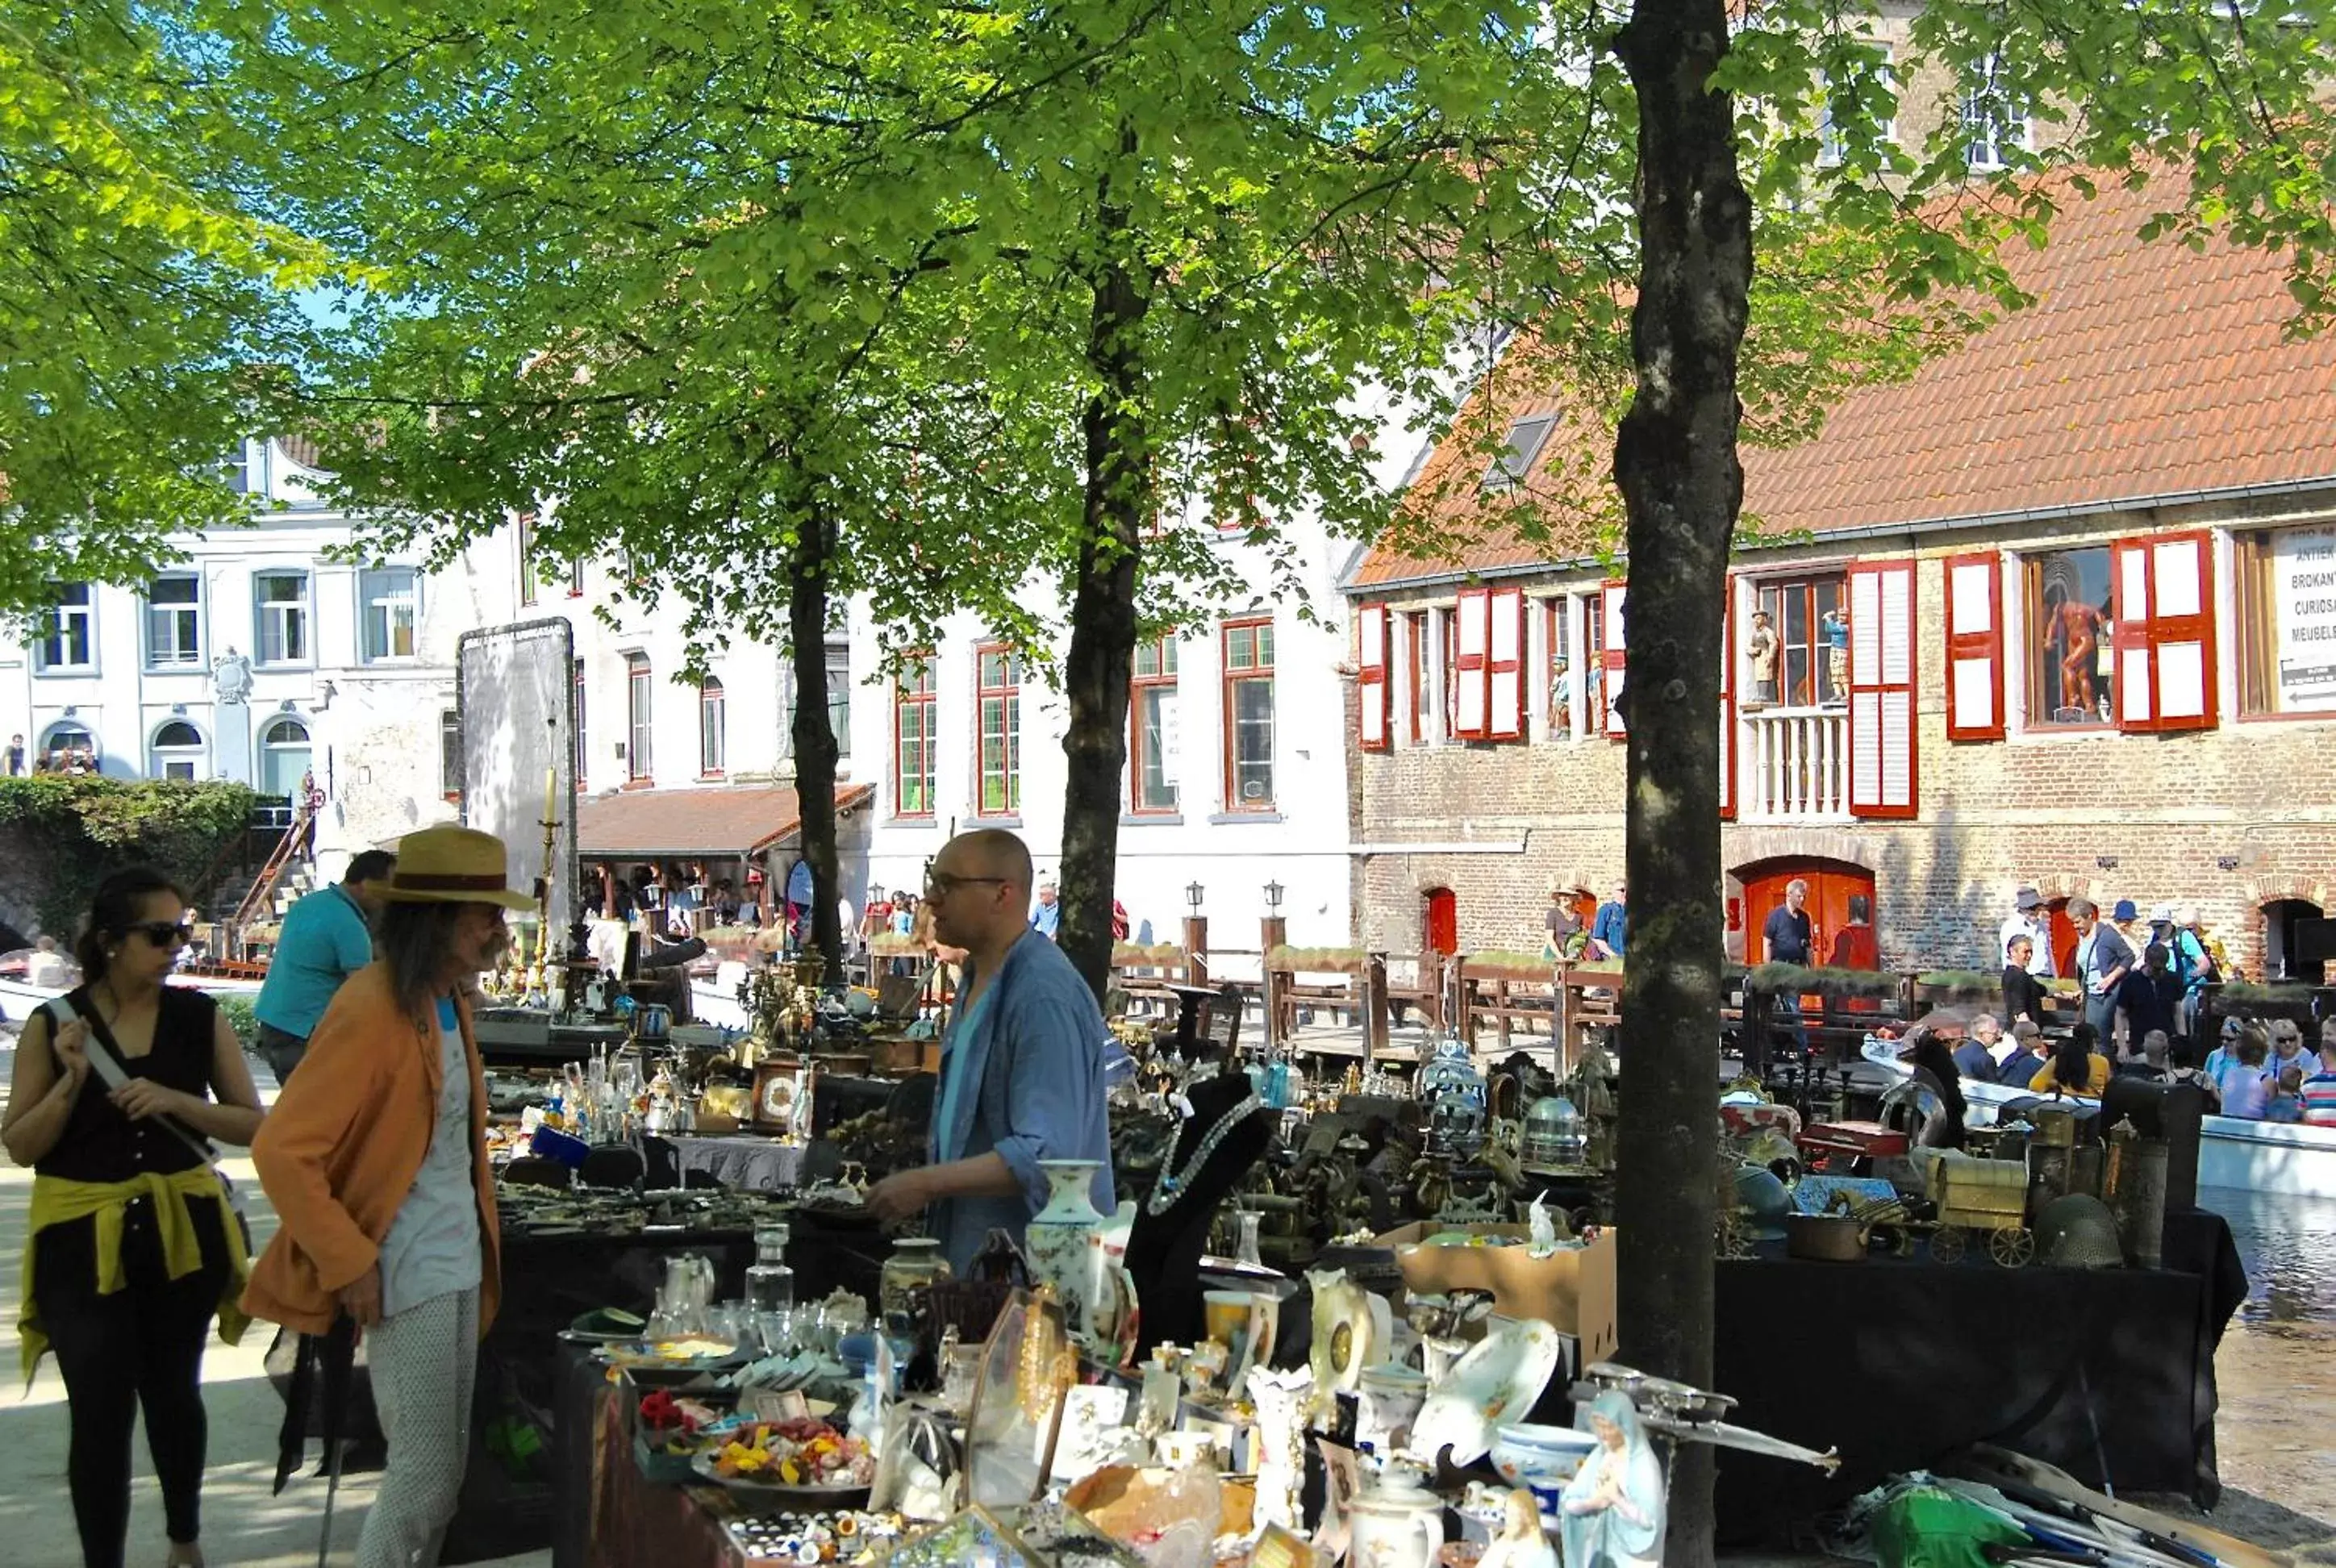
x=1034, y=1059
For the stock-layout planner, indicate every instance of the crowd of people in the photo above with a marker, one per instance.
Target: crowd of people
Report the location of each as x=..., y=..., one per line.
x=2141, y=984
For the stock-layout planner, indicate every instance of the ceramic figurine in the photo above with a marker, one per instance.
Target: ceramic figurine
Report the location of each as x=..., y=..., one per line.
x=1521, y=1543
x=1544, y=1229
x=1056, y=1240
x=1280, y=1400
x=1612, y=1513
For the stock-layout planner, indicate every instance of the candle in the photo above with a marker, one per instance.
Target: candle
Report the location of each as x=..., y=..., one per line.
x=551, y=794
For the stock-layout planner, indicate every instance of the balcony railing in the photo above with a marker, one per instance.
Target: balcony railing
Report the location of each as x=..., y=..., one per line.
x=1794, y=764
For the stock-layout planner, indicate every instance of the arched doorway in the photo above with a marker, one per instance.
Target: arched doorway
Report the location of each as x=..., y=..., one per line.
x=1841, y=907
x=2285, y=942
x=2062, y=932
x=284, y=757
x=66, y=747
x=1440, y=921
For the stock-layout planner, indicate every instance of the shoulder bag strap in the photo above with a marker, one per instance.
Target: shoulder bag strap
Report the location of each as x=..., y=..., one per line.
x=106, y=1060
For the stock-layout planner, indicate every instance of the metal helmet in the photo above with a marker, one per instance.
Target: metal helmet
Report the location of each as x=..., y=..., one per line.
x=2079, y=1231
x=1762, y=1203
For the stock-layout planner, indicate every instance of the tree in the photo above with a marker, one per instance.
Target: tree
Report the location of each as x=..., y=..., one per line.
x=140, y=303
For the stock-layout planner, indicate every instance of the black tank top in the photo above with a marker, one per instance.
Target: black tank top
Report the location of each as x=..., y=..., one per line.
x=99, y=1143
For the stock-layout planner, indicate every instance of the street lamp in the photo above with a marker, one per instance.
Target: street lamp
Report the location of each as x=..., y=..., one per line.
x=1193, y=893
x=1273, y=895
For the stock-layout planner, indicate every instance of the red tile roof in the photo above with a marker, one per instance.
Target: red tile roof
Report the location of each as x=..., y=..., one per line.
x=718, y=820
x=2140, y=370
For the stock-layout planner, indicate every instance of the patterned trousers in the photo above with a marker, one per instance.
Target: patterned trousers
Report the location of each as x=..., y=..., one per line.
x=424, y=1364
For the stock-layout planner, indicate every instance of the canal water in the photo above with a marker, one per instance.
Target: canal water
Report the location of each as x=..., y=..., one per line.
x=2288, y=1248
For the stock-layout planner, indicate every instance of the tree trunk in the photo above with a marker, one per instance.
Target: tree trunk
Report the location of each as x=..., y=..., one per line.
x=1102, y=655
x=1681, y=486
x=814, y=736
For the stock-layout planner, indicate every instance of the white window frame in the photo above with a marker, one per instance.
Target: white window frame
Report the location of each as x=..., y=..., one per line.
x=367, y=600
x=1885, y=133
x=641, y=718
x=264, y=611
x=713, y=729
x=1977, y=113
x=183, y=659
x=262, y=747
x=57, y=615
x=159, y=757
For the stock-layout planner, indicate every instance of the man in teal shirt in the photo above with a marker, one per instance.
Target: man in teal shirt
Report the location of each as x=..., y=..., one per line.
x=327, y=938
x=1023, y=1067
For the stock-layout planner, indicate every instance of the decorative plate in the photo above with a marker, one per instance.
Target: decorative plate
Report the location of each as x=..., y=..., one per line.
x=1493, y=1385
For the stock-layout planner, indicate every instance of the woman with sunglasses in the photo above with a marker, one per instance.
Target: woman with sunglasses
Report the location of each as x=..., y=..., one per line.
x=134, y=1247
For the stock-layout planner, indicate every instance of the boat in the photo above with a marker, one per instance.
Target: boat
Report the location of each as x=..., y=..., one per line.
x=2284, y=1159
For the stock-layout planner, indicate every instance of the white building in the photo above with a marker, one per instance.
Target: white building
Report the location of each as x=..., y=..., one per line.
x=345, y=670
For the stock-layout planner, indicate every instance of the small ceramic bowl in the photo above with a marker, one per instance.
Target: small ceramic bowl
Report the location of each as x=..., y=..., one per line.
x=1540, y=1458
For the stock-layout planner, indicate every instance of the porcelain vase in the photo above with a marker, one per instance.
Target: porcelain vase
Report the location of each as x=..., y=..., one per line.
x=1056, y=1241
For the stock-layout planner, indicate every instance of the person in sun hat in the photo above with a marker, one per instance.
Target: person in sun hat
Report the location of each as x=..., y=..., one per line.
x=2027, y=919
x=376, y=1160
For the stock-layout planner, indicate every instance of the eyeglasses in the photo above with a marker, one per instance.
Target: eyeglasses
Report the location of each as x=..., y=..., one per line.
x=937, y=884
x=163, y=933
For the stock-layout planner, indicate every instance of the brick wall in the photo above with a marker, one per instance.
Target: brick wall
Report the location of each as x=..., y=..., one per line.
x=2227, y=818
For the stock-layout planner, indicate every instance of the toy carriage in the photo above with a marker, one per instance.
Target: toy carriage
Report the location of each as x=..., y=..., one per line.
x=1981, y=1203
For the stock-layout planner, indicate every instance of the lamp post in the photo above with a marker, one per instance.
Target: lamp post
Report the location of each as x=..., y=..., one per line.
x=1274, y=933
x=1196, y=937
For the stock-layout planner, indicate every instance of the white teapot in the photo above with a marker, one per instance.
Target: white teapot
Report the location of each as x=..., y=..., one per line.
x=1398, y=1523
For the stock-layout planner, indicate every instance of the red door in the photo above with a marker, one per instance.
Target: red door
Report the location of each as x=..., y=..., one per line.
x=1443, y=921
x=2063, y=936
x=1841, y=910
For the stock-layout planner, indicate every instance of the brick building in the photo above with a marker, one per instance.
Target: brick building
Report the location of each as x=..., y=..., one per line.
x=2087, y=565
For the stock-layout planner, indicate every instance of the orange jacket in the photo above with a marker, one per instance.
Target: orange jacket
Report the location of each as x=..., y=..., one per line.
x=340, y=1150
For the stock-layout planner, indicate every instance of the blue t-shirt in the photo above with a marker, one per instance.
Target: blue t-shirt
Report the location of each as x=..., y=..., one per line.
x=324, y=942
x=1611, y=927
x=1046, y=920
x=953, y=1075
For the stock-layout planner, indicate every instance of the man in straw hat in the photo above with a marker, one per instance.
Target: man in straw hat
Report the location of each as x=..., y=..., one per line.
x=375, y=1158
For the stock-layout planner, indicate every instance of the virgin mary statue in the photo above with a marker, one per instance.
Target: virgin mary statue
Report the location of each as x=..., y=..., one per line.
x=1612, y=1512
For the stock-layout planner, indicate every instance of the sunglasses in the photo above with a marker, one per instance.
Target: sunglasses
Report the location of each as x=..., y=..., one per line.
x=938, y=885
x=162, y=933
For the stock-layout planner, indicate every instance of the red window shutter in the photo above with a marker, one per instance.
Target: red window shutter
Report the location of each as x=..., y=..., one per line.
x=1882, y=771
x=1613, y=657
x=2165, y=636
x=1372, y=686
x=1471, y=638
x=1975, y=646
x=1727, y=703
x=1504, y=666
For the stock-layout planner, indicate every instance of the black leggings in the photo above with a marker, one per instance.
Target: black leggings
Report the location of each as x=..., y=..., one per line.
x=140, y=1346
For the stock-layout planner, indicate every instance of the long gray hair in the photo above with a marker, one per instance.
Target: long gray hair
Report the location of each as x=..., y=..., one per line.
x=417, y=942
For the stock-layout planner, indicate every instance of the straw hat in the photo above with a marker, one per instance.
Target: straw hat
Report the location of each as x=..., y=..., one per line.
x=454, y=865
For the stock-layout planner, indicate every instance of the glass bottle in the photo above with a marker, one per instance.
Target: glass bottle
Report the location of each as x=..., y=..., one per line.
x=770, y=1285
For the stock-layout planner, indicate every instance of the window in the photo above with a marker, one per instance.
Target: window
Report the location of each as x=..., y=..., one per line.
x=527, y=558
x=2070, y=635
x=838, y=695
x=2287, y=620
x=581, y=752
x=449, y=753
x=236, y=468
x=1808, y=665
x=178, y=751
x=1560, y=622
x=712, y=721
x=1422, y=680
x=284, y=757
x=66, y=642
x=385, y=608
x=67, y=748
x=1249, y=715
x=1152, y=748
x=998, y=696
x=281, y=599
x=576, y=578
x=912, y=740
x=638, y=699
x=1594, y=667
x=174, y=623
x=1515, y=459
x=1993, y=126
x=1852, y=91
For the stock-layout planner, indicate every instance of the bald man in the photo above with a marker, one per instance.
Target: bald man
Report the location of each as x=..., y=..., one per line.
x=1022, y=1065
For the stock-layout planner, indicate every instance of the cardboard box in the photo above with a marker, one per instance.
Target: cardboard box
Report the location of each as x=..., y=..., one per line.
x=1573, y=1290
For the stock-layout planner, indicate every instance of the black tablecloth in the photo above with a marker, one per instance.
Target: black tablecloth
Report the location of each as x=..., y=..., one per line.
x=1901, y=1364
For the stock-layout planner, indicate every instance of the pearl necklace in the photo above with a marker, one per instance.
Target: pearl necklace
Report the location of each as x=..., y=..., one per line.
x=1171, y=1184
